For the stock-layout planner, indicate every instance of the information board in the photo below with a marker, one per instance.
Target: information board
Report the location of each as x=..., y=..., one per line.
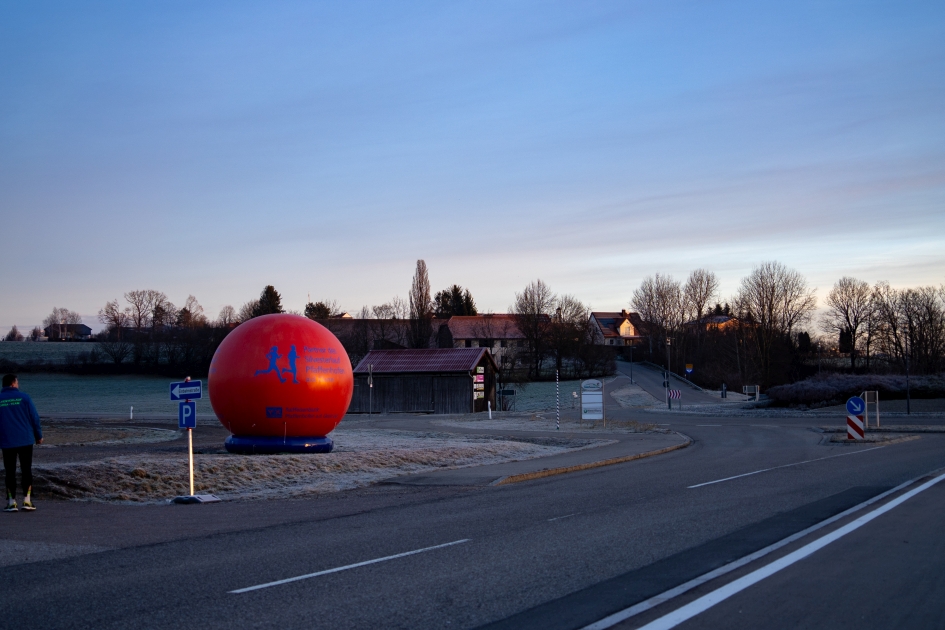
x=592, y=400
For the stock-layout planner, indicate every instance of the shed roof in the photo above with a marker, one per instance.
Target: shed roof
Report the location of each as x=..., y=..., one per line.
x=426, y=360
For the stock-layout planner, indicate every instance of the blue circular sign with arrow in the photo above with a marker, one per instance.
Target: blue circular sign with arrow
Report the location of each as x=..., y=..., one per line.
x=856, y=406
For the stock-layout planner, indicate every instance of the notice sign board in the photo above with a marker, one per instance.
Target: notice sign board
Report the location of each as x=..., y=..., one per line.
x=592, y=400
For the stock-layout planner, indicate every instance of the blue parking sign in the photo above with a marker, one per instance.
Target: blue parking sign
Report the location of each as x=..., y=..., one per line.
x=187, y=415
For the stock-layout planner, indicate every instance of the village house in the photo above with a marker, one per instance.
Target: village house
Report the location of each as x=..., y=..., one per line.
x=714, y=322
x=498, y=333
x=76, y=332
x=617, y=329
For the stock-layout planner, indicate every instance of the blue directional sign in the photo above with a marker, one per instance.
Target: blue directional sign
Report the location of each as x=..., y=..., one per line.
x=187, y=415
x=856, y=406
x=186, y=390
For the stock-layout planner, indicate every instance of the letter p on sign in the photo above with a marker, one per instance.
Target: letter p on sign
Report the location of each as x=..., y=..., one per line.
x=187, y=415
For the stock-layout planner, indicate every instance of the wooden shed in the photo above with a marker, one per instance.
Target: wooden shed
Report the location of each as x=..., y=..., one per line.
x=435, y=380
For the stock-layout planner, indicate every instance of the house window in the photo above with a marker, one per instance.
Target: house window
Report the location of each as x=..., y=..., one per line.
x=503, y=344
x=611, y=342
x=469, y=343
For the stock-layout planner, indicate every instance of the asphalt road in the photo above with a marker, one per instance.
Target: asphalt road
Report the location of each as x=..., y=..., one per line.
x=560, y=552
x=651, y=380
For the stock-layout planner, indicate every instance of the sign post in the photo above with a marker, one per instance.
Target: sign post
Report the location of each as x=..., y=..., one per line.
x=669, y=404
x=592, y=400
x=855, y=409
x=631, y=363
x=676, y=394
x=187, y=419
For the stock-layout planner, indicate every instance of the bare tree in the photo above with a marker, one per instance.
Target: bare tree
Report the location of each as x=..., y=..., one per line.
x=56, y=321
x=59, y=321
x=912, y=325
x=227, y=316
x=163, y=313
x=116, y=350
x=774, y=300
x=659, y=301
x=698, y=292
x=113, y=317
x=141, y=307
x=191, y=314
x=421, y=308
x=392, y=322
x=567, y=331
x=248, y=311
x=532, y=312
x=849, y=307
x=35, y=334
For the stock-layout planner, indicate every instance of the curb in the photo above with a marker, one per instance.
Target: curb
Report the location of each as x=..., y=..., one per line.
x=886, y=442
x=549, y=472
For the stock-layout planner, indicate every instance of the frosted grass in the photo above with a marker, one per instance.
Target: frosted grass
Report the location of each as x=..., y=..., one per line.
x=103, y=394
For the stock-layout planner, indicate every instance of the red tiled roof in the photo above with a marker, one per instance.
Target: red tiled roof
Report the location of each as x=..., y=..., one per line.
x=484, y=327
x=609, y=322
x=428, y=360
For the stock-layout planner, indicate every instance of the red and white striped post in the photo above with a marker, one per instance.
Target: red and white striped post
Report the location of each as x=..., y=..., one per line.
x=855, y=428
x=856, y=407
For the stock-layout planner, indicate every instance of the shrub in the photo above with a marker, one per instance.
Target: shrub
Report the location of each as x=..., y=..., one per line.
x=831, y=389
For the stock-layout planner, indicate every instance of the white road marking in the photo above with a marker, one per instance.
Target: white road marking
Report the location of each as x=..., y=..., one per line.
x=665, y=596
x=709, y=483
x=709, y=600
x=558, y=518
x=349, y=566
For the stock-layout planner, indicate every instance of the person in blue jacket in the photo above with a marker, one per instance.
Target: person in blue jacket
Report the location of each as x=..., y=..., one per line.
x=19, y=430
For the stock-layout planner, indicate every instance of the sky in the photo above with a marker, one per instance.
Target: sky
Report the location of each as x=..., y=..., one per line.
x=212, y=148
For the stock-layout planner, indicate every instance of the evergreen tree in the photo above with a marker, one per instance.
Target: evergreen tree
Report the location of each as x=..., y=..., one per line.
x=317, y=310
x=269, y=302
x=454, y=300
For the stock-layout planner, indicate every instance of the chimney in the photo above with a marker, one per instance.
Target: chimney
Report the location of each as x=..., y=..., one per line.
x=624, y=313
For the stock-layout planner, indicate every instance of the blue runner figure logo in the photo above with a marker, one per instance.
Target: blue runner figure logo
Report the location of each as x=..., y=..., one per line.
x=273, y=356
x=293, y=355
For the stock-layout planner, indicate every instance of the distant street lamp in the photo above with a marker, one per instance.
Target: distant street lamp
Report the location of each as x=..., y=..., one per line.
x=669, y=342
x=631, y=362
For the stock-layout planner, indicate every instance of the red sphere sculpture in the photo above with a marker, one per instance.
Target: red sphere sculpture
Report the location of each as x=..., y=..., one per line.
x=280, y=383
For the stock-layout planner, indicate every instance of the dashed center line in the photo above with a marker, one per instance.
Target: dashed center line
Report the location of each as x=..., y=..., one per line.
x=348, y=566
x=755, y=472
x=558, y=518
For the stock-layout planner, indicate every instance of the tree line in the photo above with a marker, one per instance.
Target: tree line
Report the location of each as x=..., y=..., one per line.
x=760, y=335
x=768, y=334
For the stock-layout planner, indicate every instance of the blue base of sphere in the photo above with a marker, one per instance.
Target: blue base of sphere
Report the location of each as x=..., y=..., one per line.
x=255, y=445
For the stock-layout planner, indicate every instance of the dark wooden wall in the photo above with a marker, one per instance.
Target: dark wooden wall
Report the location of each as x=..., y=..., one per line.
x=418, y=393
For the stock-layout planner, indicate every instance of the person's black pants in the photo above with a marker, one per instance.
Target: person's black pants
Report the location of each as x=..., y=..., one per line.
x=25, y=453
